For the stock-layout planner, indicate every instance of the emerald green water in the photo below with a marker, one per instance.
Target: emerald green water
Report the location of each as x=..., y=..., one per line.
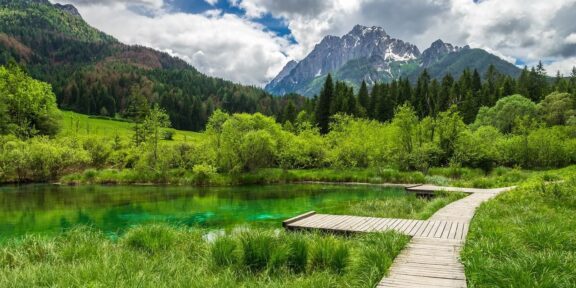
x=49, y=209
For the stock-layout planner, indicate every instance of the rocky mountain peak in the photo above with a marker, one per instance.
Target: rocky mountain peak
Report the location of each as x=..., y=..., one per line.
x=437, y=50
x=68, y=8
x=285, y=72
x=370, y=54
x=363, y=43
x=362, y=31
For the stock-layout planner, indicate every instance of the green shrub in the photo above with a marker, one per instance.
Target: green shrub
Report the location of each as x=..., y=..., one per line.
x=298, y=254
x=151, y=239
x=438, y=180
x=330, y=253
x=203, y=174
x=257, y=249
x=223, y=251
x=90, y=175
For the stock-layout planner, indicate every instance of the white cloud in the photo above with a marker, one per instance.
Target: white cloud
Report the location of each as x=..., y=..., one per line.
x=211, y=2
x=563, y=65
x=238, y=49
x=217, y=44
x=571, y=39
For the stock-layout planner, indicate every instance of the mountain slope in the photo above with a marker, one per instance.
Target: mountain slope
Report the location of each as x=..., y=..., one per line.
x=93, y=73
x=372, y=44
x=456, y=62
x=369, y=54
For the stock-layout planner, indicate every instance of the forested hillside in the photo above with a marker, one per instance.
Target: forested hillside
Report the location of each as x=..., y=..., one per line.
x=93, y=73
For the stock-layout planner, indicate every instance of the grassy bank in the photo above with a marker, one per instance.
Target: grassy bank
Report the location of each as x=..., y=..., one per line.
x=526, y=237
x=75, y=124
x=408, y=207
x=161, y=256
x=459, y=177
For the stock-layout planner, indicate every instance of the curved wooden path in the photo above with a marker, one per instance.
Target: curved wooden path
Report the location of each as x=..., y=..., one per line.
x=432, y=258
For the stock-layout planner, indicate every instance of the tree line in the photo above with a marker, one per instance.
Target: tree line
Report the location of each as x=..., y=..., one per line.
x=429, y=97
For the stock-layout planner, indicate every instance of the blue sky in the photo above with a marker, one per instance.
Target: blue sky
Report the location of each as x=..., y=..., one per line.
x=249, y=41
x=274, y=24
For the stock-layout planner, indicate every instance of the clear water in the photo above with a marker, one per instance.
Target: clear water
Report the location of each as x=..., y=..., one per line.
x=50, y=209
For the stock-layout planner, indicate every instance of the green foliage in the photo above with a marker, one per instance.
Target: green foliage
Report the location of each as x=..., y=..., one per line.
x=28, y=106
x=223, y=251
x=525, y=238
x=248, y=142
x=505, y=114
x=151, y=239
x=92, y=73
x=193, y=256
x=324, y=105
x=39, y=159
x=557, y=108
x=257, y=250
x=330, y=254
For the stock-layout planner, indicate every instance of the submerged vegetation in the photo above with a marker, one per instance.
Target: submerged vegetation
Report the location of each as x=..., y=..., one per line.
x=162, y=256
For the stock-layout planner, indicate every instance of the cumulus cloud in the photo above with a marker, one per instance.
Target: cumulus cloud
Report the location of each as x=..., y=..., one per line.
x=235, y=47
x=512, y=29
x=151, y=3
x=216, y=43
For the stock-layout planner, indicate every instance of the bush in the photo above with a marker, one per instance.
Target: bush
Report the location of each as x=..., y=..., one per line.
x=203, y=174
x=223, y=251
x=330, y=253
x=168, y=135
x=298, y=254
x=257, y=249
x=151, y=239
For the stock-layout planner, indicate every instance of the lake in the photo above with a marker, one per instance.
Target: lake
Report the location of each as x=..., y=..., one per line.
x=51, y=209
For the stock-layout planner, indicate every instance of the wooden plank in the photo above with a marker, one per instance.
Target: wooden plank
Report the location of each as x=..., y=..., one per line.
x=384, y=226
x=431, y=228
x=298, y=218
x=348, y=224
x=440, y=229
x=308, y=220
x=459, y=231
x=422, y=228
x=452, y=234
x=362, y=226
x=446, y=231
x=432, y=257
x=334, y=222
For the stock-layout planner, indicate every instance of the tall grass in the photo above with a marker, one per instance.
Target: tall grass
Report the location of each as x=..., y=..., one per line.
x=525, y=238
x=145, y=257
x=406, y=206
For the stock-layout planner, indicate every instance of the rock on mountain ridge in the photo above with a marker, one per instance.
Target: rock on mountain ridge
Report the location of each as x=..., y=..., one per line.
x=370, y=54
x=333, y=53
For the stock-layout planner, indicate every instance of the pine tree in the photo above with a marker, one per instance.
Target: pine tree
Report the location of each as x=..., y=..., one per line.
x=421, y=98
x=374, y=101
x=444, y=95
x=290, y=112
x=363, y=97
x=323, y=105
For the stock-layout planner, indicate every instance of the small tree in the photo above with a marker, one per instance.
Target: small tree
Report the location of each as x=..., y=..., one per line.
x=405, y=122
x=156, y=119
x=557, y=108
x=27, y=106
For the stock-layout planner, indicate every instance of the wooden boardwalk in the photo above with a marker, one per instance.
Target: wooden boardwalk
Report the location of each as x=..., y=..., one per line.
x=431, y=259
x=440, y=229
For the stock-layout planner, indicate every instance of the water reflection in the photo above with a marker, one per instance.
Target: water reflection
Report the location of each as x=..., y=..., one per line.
x=50, y=209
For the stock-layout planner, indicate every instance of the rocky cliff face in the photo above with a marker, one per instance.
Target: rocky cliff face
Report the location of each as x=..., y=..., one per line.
x=437, y=51
x=370, y=54
x=333, y=53
x=68, y=8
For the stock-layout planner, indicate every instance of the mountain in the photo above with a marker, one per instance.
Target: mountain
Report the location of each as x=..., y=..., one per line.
x=93, y=73
x=370, y=54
